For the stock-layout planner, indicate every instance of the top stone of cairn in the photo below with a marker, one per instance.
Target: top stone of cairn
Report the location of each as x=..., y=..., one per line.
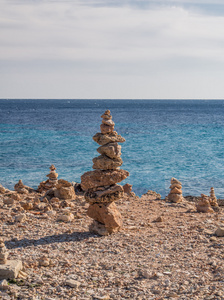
x=107, y=135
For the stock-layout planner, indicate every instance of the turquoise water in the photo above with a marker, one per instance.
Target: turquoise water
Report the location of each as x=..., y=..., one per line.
x=164, y=139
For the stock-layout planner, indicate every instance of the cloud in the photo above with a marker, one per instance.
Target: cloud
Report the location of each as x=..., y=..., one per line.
x=108, y=48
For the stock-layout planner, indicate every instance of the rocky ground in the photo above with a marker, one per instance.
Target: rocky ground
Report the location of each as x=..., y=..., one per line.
x=164, y=251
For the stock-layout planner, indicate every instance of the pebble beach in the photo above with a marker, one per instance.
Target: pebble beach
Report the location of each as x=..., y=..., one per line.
x=163, y=251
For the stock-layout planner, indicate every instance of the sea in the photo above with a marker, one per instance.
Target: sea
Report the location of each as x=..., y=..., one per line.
x=164, y=139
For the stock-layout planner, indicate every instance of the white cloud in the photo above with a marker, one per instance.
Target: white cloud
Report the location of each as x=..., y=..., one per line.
x=111, y=52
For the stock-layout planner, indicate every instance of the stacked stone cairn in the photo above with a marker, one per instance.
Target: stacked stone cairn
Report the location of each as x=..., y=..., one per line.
x=213, y=199
x=204, y=205
x=9, y=269
x=175, y=194
x=100, y=186
x=3, y=253
x=51, y=182
x=21, y=188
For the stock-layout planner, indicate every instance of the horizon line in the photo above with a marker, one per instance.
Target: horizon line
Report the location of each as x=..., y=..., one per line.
x=94, y=99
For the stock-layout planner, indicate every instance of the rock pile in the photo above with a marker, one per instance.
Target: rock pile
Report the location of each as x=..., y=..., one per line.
x=51, y=182
x=204, y=205
x=213, y=199
x=100, y=186
x=21, y=188
x=2, y=189
x=128, y=190
x=175, y=194
x=3, y=252
x=64, y=190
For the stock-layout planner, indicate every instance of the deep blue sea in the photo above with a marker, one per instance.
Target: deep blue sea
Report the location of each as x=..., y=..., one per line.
x=164, y=139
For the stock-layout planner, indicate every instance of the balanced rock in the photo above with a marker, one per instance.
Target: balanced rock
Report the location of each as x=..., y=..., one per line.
x=105, y=163
x=204, y=205
x=112, y=150
x=104, y=194
x=213, y=199
x=107, y=214
x=103, y=139
x=97, y=178
x=100, y=186
x=175, y=194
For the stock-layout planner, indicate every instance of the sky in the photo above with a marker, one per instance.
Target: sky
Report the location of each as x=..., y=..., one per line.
x=110, y=49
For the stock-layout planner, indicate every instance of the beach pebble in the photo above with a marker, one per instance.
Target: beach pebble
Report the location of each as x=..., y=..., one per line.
x=72, y=283
x=68, y=217
x=20, y=218
x=4, y=285
x=220, y=232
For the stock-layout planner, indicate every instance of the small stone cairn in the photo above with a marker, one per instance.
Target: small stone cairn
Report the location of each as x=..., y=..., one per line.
x=51, y=182
x=213, y=199
x=100, y=186
x=9, y=269
x=20, y=188
x=3, y=253
x=204, y=205
x=128, y=190
x=175, y=194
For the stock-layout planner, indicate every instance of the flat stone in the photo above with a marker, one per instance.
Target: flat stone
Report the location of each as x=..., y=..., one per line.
x=106, y=128
x=175, y=190
x=11, y=269
x=105, y=163
x=104, y=195
x=66, y=217
x=176, y=185
x=112, y=150
x=72, y=283
x=8, y=201
x=103, y=139
x=106, y=117
x=52, y=175
x=94, y=179
x=108, y=122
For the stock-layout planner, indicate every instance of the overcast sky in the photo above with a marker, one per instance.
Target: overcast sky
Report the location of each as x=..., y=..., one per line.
x=110, y=49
